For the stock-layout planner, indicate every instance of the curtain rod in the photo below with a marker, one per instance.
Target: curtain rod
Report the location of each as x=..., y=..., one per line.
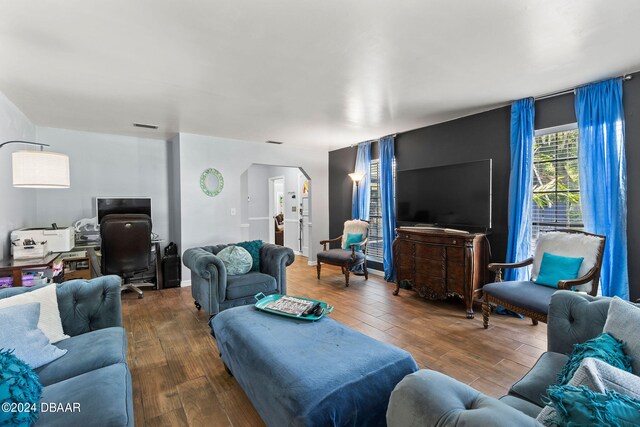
x=624, y=77
x=372, y=140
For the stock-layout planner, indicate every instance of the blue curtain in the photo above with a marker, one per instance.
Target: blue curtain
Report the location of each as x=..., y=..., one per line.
x=603, y=177
x=387, y=196
x=360, y=207
x=520, y=190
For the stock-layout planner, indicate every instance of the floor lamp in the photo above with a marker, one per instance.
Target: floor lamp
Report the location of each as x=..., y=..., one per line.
x=357, y=177
x=39, y=169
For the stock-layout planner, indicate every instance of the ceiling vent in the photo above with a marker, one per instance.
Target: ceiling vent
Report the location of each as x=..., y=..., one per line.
x=274, y=142
x=145, y=126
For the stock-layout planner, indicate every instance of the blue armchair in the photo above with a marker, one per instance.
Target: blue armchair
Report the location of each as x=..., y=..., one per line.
x=214, y=291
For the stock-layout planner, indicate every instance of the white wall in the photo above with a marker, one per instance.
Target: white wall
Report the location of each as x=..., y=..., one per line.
x=18, y=204
x=207, y=220
x=105, y=165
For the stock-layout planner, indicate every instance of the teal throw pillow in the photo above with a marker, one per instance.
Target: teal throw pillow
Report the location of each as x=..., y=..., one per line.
x=20, y=333
x=604, y=347
x=253, y=247
x=19, y=384
x=352, y=238
x=554, y=268
x=579, y=406
x=237, y=260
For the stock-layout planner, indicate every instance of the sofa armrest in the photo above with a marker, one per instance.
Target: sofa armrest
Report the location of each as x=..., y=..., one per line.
x=87, y=305
x=574, y=318
x=206, y=267
x=429, y=398
x=274, y=261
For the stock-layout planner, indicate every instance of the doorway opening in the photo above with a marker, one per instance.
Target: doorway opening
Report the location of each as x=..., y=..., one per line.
x=278, y=206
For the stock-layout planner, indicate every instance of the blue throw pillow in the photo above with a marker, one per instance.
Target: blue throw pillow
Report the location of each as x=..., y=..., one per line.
x=583, y=407
x=604, y=347
x=554, y=268
x=20, y=333
x=253, y=247
x=18, y=385
x=352, y=238
x=237, y=260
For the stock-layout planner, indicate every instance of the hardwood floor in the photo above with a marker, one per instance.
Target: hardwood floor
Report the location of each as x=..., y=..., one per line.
x=179, y=380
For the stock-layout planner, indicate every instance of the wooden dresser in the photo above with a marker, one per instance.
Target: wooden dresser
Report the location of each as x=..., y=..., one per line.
x=439, y=264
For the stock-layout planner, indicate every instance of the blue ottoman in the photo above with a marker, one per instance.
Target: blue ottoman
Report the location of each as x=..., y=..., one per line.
x=300, y=373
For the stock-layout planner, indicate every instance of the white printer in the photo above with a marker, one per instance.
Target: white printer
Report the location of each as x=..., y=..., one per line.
x=58, y=240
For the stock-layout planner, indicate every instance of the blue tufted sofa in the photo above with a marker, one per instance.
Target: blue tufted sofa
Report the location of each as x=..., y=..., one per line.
x=213, y=290
x=429, y=398
x=94, y=371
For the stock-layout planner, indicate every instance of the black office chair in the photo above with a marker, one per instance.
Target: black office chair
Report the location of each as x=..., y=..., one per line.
x=126, y=247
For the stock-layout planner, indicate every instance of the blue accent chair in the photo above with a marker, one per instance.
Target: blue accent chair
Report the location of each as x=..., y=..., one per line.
x=214, y=291
x=94, y=371
x=531, y=299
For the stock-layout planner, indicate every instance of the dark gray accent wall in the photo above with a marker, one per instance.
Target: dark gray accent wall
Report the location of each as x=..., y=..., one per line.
x=484, y=136
x=631, y=102
x=341, y=164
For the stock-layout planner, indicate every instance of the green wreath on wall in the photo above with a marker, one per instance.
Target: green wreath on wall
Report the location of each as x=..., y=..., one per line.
x=211, y=182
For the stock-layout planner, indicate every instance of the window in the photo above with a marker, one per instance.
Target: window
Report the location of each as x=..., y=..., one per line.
x=556, y=190
x=375, y=248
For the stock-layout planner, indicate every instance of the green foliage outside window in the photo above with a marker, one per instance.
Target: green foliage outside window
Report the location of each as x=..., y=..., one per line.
x=556, y=185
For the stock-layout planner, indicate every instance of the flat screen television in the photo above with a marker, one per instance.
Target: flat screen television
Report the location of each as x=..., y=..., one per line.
x=122, y=205
x=456, y=195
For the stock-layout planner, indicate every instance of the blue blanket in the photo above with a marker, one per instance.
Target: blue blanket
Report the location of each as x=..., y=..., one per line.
x=300, y=373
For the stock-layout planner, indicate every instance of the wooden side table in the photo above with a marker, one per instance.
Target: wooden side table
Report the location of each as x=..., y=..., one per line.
x=15, y=267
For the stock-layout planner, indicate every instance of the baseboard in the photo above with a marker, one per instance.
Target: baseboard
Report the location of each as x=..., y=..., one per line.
x=185, y=283
x=312, y=262
x=375, y=272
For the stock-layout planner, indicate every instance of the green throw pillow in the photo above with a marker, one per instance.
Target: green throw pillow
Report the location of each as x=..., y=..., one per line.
x=18, y=384
x=582, y=407
x=604, y=347
x=554, y=268
x=253, y=247
x=352, y=238
x=237, y=260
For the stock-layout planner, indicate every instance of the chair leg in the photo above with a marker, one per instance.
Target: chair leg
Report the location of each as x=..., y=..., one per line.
x=364, y=268
x=534, y=322
x=346, y=276
x=318, y=268
x=130, y=287
x=486, y=310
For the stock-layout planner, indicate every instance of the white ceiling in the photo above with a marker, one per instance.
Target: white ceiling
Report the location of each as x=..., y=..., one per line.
x=327, y=73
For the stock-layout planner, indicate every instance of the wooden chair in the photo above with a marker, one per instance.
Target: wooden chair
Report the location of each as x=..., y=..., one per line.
x=278, y=223
x=347, y=258
x=532, y=300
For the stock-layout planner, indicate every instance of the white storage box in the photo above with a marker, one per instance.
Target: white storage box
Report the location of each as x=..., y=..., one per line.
x=59, y=240
x=39, y=250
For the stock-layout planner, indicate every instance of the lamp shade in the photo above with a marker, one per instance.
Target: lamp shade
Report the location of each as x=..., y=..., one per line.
x=40, y=169
x=357, y=176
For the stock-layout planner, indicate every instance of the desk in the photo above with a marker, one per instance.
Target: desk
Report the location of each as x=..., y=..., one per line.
x=16, y=266
x=77, y=265
x=156, y=269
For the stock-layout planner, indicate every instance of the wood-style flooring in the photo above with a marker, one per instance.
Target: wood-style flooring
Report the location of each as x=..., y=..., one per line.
x=179, y=380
